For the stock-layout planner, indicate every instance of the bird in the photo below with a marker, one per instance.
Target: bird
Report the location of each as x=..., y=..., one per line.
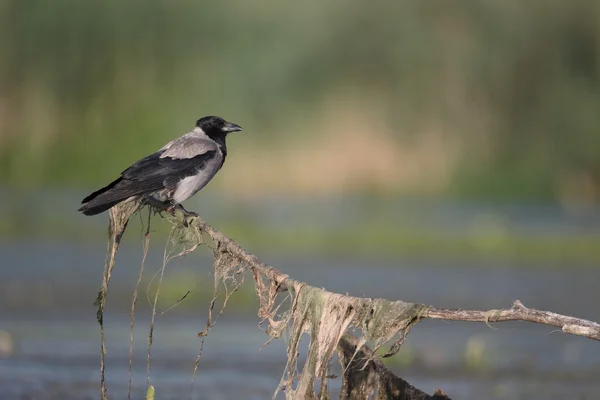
x=171, y=175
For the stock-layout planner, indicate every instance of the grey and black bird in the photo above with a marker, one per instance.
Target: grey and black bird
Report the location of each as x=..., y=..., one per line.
x=171, y=175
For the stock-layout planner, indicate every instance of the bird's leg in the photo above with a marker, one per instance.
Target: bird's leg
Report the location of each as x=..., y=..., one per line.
x=157, y=205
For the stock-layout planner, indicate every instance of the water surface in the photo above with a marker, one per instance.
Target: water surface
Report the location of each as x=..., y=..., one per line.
x=48, y=283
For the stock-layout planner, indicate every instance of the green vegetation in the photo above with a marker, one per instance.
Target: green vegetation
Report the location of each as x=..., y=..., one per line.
x=150, y=393
x=476, y=99
x=384, y=240
x=495, y=100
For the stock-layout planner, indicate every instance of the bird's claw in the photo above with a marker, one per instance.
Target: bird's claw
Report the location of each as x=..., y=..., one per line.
x=190, y=213
x=171, y=209
x=158, y=207
x=186, y=214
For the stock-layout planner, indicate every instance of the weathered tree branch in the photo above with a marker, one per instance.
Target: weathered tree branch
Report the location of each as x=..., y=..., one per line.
x=326, y=317
x=518, y=312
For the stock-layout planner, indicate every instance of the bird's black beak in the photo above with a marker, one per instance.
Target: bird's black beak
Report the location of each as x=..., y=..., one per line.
x=231, y=127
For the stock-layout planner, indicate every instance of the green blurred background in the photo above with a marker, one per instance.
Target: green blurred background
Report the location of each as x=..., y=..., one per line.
x=491, y=99
x=436, y=151
x=491, y=102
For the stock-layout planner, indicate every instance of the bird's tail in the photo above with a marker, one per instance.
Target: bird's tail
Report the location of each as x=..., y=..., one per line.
x=103, y=199
x=88, y=209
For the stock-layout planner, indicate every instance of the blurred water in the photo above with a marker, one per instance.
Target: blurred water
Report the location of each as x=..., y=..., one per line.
x=57, y=338
x=48, y=285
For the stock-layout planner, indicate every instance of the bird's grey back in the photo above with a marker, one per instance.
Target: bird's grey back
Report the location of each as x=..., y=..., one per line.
x=190, y=145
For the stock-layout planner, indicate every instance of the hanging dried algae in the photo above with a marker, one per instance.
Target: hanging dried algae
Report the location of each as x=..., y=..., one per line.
x=323, y=315
x=117, y=222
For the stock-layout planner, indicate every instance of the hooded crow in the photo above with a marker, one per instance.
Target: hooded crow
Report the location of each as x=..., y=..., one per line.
x=171, y=175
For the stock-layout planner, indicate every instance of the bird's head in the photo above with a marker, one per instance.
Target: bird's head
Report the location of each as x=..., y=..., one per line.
x=217, y=126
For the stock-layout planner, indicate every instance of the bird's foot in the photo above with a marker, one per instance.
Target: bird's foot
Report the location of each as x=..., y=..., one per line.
x=168, y=206
x=186, y=214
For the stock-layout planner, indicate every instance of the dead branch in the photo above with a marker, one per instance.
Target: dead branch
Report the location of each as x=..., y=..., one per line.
x=518, y=312
x=327, y=317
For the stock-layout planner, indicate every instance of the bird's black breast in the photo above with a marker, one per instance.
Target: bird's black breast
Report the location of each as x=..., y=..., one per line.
x=156, y=172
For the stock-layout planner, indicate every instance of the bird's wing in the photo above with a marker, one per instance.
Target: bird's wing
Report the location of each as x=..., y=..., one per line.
x=183, y=157
x=188, y=146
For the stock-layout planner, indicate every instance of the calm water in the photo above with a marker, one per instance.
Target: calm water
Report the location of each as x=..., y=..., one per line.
x=48, y=285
